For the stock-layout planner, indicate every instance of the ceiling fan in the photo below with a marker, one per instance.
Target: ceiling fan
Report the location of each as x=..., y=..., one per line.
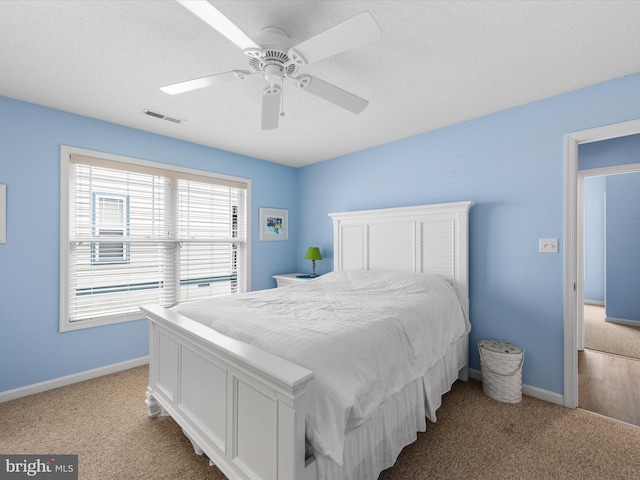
x=273, y=56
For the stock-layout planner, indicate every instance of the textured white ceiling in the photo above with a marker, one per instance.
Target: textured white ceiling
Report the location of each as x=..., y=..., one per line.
x=436, y=64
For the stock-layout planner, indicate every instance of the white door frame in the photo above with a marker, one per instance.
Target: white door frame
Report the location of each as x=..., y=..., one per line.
x=574, y=288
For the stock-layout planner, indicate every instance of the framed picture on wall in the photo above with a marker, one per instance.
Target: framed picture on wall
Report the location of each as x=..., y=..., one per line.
x=274, y=224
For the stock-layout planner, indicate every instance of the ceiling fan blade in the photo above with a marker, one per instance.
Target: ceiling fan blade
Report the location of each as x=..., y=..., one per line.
x=218, y=20
x=349, y=34
x=331, y=93
x=202, y=82
x=271, y=107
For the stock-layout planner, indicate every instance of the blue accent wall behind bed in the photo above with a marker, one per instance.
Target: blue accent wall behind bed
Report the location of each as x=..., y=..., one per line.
x=512, y=165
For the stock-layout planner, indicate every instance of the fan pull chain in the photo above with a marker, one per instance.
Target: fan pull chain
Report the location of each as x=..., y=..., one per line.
x=282, y=99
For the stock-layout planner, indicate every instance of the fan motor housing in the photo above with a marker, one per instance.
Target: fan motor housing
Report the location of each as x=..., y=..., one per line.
x=276, y=62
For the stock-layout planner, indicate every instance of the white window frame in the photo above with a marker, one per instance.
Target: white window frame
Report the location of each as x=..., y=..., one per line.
x=65, y=165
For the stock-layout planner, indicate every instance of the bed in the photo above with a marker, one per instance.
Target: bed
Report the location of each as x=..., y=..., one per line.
x=264, y=409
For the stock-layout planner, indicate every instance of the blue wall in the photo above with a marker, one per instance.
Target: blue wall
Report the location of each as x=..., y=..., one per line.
x=622, y=233
x=512, y=165
x=609, y=153
x=623, y=247
x=594, y=191
x=623, y=200
x=31, y=348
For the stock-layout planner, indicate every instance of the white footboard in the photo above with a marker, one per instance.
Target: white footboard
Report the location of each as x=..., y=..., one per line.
x=242, y=407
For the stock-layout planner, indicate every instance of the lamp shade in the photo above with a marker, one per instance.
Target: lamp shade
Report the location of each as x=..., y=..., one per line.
x=313, y=254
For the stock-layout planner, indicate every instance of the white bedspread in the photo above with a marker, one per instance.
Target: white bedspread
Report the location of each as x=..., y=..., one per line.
x=365, y=335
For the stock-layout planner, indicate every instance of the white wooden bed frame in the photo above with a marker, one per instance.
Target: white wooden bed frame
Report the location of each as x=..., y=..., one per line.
x=244, y=407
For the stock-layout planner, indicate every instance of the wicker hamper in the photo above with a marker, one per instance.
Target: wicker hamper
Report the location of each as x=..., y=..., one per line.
x=501, y=367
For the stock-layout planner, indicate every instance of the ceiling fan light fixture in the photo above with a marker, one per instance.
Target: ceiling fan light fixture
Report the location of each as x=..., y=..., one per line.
x=273, y=74
x=273, y=57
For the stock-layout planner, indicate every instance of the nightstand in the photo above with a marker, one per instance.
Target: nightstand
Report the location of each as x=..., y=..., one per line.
x=291, y=278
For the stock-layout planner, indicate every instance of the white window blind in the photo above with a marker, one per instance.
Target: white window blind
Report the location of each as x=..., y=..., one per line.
x=139, y=235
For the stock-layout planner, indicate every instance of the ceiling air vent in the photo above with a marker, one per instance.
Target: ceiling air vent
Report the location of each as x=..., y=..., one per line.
x=151, y=113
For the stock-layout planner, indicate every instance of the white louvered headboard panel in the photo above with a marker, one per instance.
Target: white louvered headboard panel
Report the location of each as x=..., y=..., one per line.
x=421, y=239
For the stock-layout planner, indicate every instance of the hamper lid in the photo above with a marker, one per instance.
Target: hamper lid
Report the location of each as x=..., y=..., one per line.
x=499, y=346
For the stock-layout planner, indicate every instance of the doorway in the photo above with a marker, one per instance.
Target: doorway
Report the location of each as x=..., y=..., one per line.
x=609, y=351
x=573, y=278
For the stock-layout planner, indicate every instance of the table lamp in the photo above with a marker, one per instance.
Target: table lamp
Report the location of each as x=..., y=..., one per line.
x=313, y=254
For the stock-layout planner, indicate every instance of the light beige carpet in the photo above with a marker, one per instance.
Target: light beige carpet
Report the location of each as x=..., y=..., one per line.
x=609, y=337
x=104, y=421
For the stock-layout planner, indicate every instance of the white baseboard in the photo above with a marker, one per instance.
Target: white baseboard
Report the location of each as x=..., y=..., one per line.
x=622, y=321
x=136, y=362
x=534, y=392
x=70, y=379
x=597, y=303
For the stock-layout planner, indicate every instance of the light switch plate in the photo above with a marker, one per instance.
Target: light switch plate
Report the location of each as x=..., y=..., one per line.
x=548, y=245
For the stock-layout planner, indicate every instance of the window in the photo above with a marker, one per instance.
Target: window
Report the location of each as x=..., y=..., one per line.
x=135, y=232
x=110, y=218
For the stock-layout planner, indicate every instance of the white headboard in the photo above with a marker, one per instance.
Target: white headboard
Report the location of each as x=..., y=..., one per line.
x=420, y=239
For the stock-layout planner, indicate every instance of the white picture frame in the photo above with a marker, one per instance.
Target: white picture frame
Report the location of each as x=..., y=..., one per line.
x=3, y=213
x=274, y=224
